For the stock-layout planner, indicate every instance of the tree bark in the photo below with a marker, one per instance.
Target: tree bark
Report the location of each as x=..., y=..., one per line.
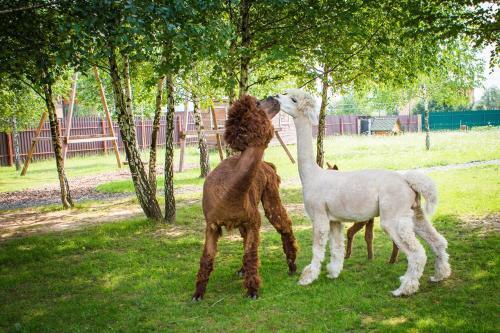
x=143, y=190
x=169, y=154
x=320, y=153
x=245, y=44
x=128, y=86
x=231, y=89
x=426, y=118
x=154, y=133
x=16, y=143
x=202, y=142
x=66, y=199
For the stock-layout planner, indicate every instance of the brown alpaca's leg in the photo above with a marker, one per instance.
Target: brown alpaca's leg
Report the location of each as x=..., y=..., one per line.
x=350, y=235
x=369, y=238
x=394, y=254
x=206, y=261
x=243, y=233
x=277, y=215
x=251, y=262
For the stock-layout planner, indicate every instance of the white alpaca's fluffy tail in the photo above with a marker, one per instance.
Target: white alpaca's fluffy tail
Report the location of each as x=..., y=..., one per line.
x=425, y=186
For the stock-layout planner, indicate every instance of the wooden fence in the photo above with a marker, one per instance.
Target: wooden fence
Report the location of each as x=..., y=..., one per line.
x=335, y=125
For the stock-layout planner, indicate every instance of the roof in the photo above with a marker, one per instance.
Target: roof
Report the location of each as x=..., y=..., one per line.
x=384, y=124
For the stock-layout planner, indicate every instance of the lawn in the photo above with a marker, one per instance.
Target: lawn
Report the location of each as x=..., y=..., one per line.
x=349, y=152
x=138, y=276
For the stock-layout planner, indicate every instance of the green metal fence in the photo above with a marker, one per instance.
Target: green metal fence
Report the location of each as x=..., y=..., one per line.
x=439, y=121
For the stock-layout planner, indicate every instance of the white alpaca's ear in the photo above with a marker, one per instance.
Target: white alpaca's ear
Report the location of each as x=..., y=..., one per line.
x=313, y=111
x=314, y=116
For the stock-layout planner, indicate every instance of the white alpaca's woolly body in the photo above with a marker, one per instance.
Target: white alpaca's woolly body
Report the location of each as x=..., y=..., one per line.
x=331, y=198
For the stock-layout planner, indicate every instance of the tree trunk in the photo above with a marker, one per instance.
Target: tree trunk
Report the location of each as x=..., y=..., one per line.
x=154, y=133
x=320, y=153
x=202, y=142
x=169, y=154
x=143, y=190
x=66, y=200
x=245, y=44
x=128, y=91
x=231, y=89
x=17, y=148
x=128, y=86
x=426, y=118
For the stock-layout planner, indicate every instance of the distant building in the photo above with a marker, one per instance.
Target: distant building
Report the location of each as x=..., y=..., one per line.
x=385, y=126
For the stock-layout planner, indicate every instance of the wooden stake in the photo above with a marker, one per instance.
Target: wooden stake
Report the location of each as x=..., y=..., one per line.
x=33, y=144
x=108, y=117
x=217, y=136
x=278, y=136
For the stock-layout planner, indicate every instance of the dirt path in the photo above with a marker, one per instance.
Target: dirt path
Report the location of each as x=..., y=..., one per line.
x=119, y=206
x=82, y=188
x=20, y=223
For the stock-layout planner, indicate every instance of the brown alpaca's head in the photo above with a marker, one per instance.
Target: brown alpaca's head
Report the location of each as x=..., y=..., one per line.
x=249, y=123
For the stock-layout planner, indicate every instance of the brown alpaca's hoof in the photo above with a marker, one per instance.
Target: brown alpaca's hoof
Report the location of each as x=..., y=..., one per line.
x=347, y=255
x=197, y=297
x=292, y=269
x=253, y=294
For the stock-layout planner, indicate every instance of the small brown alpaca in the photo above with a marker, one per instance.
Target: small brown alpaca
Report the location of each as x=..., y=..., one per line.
x=233, y=190
x=368, y=234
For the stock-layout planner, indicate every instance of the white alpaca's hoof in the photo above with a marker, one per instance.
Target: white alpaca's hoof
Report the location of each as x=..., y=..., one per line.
x=407, y=287
x=443, y=271
x=334, y=270
x=309, y=274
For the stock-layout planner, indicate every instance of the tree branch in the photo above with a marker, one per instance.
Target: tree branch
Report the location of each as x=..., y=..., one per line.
x=361, y=48
x=20, y=9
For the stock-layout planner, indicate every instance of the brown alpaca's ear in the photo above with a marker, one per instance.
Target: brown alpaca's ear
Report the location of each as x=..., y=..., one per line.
x=330, y=167
x=247, y=125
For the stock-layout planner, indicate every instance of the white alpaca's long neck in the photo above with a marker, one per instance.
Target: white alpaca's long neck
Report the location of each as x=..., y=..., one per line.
x=305, y=153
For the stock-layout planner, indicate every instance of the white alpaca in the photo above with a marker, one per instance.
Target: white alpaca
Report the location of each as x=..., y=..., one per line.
x=331, y=198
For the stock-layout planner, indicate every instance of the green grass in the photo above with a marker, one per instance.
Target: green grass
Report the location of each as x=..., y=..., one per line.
x=137, y=276
x=364, y=152
x=349, y=152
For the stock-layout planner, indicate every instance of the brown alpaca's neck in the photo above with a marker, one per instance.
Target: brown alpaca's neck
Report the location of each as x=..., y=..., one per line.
x=246, y=168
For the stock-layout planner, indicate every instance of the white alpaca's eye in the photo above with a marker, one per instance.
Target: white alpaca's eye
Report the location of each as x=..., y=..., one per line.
x=294, y=100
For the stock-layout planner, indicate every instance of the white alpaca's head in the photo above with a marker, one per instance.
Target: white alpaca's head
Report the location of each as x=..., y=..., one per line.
x=299, y=104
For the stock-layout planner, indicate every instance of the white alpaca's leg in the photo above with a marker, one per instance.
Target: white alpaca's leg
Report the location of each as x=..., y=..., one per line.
x=336, y=250
x=401, y=232
x=320, y=237
x=438, y=244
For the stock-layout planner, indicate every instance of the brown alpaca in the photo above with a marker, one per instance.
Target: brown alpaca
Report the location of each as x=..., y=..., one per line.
x=368, y=234
x=233, y=190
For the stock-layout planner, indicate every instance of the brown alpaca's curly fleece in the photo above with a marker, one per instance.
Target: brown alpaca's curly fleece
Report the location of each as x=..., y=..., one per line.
x=247, y=125
x=232, y=193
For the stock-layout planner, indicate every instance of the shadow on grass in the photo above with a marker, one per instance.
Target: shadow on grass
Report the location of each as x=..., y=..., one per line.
x=124, y=276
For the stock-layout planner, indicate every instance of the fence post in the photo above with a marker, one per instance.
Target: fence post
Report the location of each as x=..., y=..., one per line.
x=341, y=126
x=103, y=129
x=178, y=127
x=419, y=123
x=143, y=134
x=10, y=155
